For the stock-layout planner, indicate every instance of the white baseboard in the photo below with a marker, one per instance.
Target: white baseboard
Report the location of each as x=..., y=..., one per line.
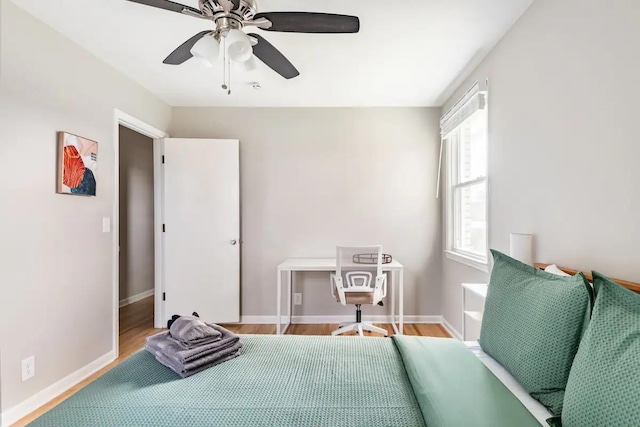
x=262, y=320
x=454, y=333
x=29, y=405
x=272, y=320
x=136, y=297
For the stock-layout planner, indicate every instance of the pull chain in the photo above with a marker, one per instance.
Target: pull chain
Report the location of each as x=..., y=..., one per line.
x=226, y=67
x=228, y=61
x=223, y=42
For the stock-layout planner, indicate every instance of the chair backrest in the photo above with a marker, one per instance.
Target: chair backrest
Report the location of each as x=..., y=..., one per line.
x=358, y=280
x=344, y=258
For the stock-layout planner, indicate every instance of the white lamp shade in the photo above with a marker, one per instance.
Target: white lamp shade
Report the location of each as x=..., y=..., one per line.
x=238, y=46
x=521, y=247
x=249, y=64
x=207, y=50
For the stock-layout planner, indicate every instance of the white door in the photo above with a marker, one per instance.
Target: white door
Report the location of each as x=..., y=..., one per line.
x=202, y=228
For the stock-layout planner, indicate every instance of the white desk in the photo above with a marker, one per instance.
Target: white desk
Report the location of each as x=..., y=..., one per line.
x=329, y=265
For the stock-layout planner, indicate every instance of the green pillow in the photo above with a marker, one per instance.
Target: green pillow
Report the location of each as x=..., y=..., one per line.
x=604, y=385
x=532, y=325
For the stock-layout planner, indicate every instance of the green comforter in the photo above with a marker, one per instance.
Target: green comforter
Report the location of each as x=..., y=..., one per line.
x=288, y=381
x=455, y=389
x=296, y=381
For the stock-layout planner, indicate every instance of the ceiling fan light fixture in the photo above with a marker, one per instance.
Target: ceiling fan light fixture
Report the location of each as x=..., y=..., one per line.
x=207, y=50
x=238, y=46
x=249, y=64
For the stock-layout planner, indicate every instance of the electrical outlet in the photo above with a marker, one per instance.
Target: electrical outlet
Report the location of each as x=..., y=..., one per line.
x=297, y=299
x=28, y=368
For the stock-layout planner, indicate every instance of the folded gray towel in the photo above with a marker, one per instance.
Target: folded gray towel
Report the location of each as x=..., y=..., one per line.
x=160, y=342
x=173, y=351
x=190, y=329
x=187, y=373
x=196, y=343
x=205, y=360
x=202, y=361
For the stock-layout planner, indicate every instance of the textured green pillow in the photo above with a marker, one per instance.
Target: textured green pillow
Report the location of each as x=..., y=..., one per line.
x=532, y=325
x=604, y=385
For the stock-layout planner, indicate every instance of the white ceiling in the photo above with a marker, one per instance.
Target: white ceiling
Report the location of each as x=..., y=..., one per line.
x=407, y=56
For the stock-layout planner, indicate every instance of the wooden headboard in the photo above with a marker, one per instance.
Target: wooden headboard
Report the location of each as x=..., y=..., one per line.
x=635, y=287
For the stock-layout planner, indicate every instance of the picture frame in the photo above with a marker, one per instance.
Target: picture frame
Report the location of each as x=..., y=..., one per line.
x=77, y=165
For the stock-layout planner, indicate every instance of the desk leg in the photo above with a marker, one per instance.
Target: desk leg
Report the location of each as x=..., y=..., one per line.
x=278, y=301
x=290, y=290
x=401, y=302
x=392, y=287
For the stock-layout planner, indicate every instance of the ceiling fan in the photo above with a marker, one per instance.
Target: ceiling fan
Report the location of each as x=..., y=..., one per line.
x=230, y=17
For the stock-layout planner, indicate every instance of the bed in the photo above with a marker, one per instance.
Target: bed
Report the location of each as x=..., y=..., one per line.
x=300, y=381
x=312, y=381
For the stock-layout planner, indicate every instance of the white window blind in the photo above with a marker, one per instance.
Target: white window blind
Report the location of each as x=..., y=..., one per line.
x=472, y=101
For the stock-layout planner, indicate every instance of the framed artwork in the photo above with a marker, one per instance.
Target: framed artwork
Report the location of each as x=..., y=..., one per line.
x=77, y=165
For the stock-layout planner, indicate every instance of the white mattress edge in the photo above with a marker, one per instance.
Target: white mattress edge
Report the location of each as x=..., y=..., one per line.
x=536, y=408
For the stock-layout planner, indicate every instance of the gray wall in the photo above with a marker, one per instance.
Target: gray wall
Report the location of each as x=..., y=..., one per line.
x=564, y=145
x=136, y=213
x=56, y=264
x=312, y=178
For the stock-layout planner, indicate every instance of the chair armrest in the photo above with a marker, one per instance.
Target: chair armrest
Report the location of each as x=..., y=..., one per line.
x=338, y=285
x=380, y=288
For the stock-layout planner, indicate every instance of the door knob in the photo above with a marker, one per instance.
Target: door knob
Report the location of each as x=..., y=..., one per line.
x=233, y=242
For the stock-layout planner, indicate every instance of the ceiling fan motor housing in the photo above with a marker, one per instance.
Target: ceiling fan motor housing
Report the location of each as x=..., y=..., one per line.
x=227, y=14
x=247, y=9
x=244, y=10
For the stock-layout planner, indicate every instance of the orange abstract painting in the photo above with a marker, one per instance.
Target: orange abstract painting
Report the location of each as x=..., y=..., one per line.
x=77, y=164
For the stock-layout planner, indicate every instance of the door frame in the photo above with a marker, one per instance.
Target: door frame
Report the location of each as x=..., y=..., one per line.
x=137, y=125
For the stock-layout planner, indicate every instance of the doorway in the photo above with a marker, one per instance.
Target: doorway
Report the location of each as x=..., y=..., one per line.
x=139, y=303
x=136, y=235
x=207, y=222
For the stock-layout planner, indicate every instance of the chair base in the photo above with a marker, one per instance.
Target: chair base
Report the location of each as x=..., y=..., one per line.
x=359, y=327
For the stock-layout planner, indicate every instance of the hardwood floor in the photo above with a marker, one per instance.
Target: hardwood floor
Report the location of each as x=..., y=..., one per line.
x=136, y=323
x=420, y=329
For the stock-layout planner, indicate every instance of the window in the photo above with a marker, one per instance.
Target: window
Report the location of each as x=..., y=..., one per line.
x=466, y=184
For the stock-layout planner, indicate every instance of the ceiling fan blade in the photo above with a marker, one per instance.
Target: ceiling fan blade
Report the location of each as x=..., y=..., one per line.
x=183, y=52
x=309, y=22
x=168, y=5
x=273, y=58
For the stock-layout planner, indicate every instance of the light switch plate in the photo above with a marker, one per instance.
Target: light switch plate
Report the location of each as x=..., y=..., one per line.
x=106, y=225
